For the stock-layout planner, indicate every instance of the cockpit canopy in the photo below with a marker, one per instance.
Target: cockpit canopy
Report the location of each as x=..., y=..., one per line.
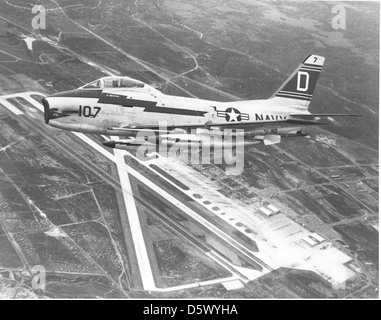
x=113, y=82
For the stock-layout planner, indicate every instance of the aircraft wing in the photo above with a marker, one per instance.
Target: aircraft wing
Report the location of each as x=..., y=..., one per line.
x=247, y=125
x=310, y=115
x=252, y=125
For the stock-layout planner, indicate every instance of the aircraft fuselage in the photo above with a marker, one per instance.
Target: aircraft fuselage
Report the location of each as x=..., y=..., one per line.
x=95, y=112
x=122, y=106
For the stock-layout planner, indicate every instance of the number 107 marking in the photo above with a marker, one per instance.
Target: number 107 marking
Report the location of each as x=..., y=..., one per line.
x=86, y=111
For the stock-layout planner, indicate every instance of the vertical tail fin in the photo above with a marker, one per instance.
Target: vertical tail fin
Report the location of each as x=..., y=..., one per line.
x=301, y=84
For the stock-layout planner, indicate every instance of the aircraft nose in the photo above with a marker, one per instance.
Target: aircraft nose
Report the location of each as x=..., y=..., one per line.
x=47, y=113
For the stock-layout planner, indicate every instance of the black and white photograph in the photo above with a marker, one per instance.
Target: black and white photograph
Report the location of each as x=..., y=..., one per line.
x=187, y=150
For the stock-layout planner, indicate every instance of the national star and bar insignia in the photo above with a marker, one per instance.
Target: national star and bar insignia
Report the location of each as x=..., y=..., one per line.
x=232, y=115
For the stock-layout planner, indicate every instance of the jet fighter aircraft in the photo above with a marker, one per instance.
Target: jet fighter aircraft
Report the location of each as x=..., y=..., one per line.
x=122, y=106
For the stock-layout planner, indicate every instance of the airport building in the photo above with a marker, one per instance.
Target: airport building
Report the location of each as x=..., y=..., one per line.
x=317, y=237
x=273, y=208
x=265, y=212
x=310, y=241
x=269, y=211
x=313, y=239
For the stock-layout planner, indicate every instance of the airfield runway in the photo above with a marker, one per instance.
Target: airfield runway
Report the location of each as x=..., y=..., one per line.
x=131, y=221
x=212, y=229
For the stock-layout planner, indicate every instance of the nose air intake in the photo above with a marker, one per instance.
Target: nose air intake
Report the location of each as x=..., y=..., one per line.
x=47, y=114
